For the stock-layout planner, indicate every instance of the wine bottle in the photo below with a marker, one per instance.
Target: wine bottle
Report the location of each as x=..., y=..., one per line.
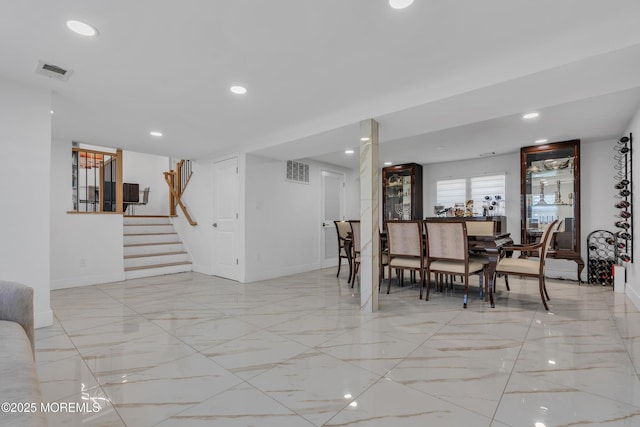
x=622, y=204
x=622, y=224
x=624, y=257
x=622, y=184
x=625, y=214
x=625, y=193
x=623, y=235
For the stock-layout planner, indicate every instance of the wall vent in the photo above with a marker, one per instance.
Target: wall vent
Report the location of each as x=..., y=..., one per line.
x=297, y=171
x=53, y=71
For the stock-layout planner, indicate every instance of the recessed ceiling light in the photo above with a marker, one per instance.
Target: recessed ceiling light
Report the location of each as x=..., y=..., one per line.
x=238, y=90
x=530, y=115
x=155, y=133
x=51, y=111
x=400, y=4
x=541, y=141
x=365, y=139
x=82, y=28
x=348, y=151
x=388, y=163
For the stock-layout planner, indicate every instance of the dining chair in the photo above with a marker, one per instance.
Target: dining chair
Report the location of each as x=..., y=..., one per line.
x=343, y=228
x=405, y=244
x=530, y=267
x=481, y=229
x=355, y=239
x=448, y=253
x=145, y=200
x=383, y=260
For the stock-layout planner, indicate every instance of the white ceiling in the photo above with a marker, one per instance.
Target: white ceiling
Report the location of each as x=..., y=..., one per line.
x=455, y=75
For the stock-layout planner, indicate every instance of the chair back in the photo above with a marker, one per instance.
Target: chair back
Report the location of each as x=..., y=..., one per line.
x=447, y=240
x=355, y=234
x=481, y=228
x=404, y=238
x=145, y=195
x=547, y=239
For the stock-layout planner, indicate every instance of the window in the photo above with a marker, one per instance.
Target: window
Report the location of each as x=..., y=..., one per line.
x=94, y=176
x=452, y=191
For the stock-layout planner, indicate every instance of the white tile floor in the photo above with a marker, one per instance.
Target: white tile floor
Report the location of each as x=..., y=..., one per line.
x=193, y=350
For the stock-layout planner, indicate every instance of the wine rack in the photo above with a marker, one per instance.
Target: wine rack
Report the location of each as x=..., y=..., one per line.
x=623, y=242
x=602, y=257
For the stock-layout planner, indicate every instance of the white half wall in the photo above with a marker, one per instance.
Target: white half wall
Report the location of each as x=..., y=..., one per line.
x=86, y=249
x=25, y=138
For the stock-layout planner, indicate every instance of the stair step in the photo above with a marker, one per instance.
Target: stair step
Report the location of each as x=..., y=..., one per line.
x=130, y=229
x=140, y=220
x=143, y=239
x=155, y=259
x=154, y=254
x=152, y=248
x=167, y=264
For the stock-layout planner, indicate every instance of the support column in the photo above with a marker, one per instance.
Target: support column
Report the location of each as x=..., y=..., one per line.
x=369, y=215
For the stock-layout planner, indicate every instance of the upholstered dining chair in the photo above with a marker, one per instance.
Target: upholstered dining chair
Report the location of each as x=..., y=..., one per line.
x=405, y=245
x=355, y=238
x=383, y=260
x=343, y=228
x=483, y=229
x=530, y=267
x=448, y=253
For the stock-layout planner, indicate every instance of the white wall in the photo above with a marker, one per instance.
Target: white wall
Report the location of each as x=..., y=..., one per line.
x=198, y=197
x=146, y=170
x=633, y=270
x=508, y=164
x=283, y=219
x=25, y=138
x=85, y=248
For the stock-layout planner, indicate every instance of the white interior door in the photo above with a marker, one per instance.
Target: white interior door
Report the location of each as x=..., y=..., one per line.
x=225, y=222
x=332, y=206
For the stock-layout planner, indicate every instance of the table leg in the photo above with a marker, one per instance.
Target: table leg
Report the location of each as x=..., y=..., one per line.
x=493, y=255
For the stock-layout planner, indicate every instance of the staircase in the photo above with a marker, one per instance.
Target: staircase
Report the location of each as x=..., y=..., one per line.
x=152, y=247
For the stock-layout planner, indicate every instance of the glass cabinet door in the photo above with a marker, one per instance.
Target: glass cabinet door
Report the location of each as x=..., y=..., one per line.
x=550, y=191
x=402, y=192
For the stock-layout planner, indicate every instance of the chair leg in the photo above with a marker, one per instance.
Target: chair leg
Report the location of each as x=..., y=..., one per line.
x=541, y=284
x=466, y=291
x=506, y=281
x=389, y=281
x=339, y=265
x=355, y=273
x=544, y=286
x=428, y=277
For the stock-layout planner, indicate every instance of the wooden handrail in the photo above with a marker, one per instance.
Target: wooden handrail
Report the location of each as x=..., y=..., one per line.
x=169, y=177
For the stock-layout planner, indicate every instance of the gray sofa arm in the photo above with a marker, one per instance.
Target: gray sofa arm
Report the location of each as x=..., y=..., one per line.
x=16, y=305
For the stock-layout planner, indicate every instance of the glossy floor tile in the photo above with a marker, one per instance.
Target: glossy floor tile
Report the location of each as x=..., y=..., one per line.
x=195, y=350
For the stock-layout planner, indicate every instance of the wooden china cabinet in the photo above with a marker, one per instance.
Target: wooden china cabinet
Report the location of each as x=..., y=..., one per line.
x=550, y=190
x=402, y=192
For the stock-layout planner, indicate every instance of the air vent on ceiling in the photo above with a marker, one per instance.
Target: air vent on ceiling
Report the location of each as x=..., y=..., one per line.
x=53, y=71
x=297, y=171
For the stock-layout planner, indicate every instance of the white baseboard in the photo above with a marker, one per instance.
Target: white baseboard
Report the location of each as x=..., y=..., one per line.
x=204, y=269
x=272, y=274
x=75, y=282
x=633, y=296
x=43, y=319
